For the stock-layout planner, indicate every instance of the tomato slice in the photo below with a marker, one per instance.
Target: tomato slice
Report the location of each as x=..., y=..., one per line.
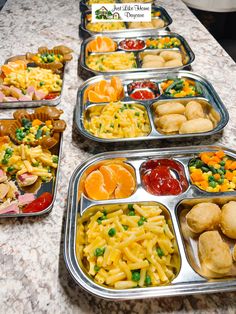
x=41, y=203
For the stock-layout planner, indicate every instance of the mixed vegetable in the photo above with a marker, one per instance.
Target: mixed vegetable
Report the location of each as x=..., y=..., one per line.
x=33, y=130
x=213, y=172
x=163, y=42
x=181, y=87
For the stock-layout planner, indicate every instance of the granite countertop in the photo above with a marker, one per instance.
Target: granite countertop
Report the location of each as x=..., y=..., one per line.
x=33, y=276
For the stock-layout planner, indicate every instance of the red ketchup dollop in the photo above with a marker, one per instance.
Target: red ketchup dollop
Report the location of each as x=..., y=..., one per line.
x=142, y=94
x=158, y=179
x=132, y=44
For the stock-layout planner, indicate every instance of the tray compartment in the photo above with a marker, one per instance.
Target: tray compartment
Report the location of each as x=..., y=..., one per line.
x=191, y=239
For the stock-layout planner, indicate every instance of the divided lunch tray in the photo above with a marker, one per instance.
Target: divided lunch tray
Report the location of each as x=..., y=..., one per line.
x=209, y=96
x=85, y=33
x=50, y=187
x=188, y=280
x=34, y=103
x=184, y=49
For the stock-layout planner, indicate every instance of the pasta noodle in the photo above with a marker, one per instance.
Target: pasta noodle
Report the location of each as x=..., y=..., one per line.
x=131, y=257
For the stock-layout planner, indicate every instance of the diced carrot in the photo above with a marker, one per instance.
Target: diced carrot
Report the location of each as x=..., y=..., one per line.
x=215, y=159
x=36, y=122
x=229, y=175
x=228, y=164
x=220, y=154
x=223, y=188
x=48, y=122
x=212, y=163
x=197, y=176
x=204, y=184
x=204, y=157
x=233, y=165
x=217, y=176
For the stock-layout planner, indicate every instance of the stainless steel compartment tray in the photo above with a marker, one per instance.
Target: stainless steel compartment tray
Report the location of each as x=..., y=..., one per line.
x=35, y=103
x=187, y=280
x=45, y=187
x=209, y=94
x=85, y=33
x=184, y=49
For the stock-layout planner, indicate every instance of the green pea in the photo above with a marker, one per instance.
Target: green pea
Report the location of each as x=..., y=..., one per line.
x=55, y=159
x=141, y=221
x=96, y=268
x=9, y=151
x=125, y=227
x=222, y=163
x=135, y=275
x=213, y=184
x=159, y=251
x=4, y=161
x=130, y=207
x=211, y=178
x=131, y=213
x=221, y=181
x=148, y=280
x=10, y=169
x=99, y=251
x=112, y=232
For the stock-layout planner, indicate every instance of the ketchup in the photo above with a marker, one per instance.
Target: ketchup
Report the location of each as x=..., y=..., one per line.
x=51, y=96
x=158, y=179
x=132, y=44
x=41, y=203
x=142, y=94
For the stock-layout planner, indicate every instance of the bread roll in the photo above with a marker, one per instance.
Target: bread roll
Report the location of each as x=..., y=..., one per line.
x=194, y=110
x=203, y=216
x=171, y=55
x=173, y=63
x=228, y=220
x=214, y=253
x=234, y=253
x=158, y=23
x=169, y=108
x=196, y=126
x=170, y=123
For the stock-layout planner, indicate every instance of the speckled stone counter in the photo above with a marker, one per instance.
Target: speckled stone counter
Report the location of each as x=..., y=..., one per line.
x=33, y=276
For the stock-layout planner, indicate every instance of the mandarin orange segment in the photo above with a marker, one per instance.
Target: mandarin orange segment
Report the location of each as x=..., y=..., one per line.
x=94, y=186
x=116, y=83
x=109, y=179
x=125, y=181
x=101, y=44
x=95, y=97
